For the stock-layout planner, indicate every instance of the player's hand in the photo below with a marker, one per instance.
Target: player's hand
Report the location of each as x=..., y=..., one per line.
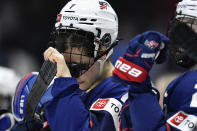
x=143, y=51
x=54, y=56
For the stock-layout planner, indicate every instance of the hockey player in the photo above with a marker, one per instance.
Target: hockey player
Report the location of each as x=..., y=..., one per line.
x=180, y=107
x=180, y=96
x=84, y=96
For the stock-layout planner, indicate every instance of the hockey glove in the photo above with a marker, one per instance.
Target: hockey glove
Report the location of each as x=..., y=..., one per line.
x=22, y=93
x=143, y=51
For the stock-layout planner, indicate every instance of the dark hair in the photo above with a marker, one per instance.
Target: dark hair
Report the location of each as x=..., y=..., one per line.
x=75, y=39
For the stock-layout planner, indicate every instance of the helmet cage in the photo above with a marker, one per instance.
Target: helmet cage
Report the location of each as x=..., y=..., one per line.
x=181, y=31
x=88, y=44
x=191, y=21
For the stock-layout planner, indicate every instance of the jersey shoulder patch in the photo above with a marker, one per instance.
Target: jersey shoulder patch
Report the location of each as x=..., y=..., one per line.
x=183, y=121
x=111, y=105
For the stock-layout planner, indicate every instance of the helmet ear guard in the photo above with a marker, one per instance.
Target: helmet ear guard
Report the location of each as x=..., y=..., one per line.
x=106, y=39
x=104, y=42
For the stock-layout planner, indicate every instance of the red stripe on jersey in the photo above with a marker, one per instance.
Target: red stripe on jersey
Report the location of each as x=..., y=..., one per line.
x=91, y=123
x=167, y=127
x=127, y=129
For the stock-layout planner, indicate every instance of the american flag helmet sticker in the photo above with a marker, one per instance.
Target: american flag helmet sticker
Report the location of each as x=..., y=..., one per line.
x=103, y=5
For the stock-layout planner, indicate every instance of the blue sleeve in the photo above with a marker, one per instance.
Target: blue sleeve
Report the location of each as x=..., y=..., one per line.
x=67, y=111
x=6, y=120
x=145, y=112
x=101, y=121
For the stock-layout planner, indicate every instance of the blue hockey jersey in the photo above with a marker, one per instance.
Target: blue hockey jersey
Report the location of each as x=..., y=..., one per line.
x=106, y=107
x=180, y=102
x=142, y=111
x=72, y=109
x=101, y=108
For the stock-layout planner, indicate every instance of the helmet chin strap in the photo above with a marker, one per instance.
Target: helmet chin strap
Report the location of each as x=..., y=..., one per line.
x=102, y=62
x=107, y=52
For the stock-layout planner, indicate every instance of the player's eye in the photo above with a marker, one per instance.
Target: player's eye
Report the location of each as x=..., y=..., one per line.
x=77, y=69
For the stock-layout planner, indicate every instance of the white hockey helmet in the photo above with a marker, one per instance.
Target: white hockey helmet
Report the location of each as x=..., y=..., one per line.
x=96, y=16
x=187, y=8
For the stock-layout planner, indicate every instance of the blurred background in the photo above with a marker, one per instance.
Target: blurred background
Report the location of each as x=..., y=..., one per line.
x=25, y=27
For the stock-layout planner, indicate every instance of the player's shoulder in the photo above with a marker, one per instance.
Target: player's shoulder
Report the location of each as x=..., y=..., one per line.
x=112, y=81
x=111, y=107
x=112, y=94
x=180, y=92
x=184, y=82
x=111, y=88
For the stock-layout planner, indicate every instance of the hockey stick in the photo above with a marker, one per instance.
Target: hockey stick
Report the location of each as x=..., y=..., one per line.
x=45, y=76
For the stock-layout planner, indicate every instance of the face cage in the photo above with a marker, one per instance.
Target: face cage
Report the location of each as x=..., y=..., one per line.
x=189, y=20
x=77, y=69
x=179, y=48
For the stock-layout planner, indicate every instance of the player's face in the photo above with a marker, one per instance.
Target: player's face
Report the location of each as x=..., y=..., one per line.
x=89, y=77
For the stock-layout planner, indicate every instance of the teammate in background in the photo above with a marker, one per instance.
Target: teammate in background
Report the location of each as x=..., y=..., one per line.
x=180, y=103
x=7, y=75
x=180, y=106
